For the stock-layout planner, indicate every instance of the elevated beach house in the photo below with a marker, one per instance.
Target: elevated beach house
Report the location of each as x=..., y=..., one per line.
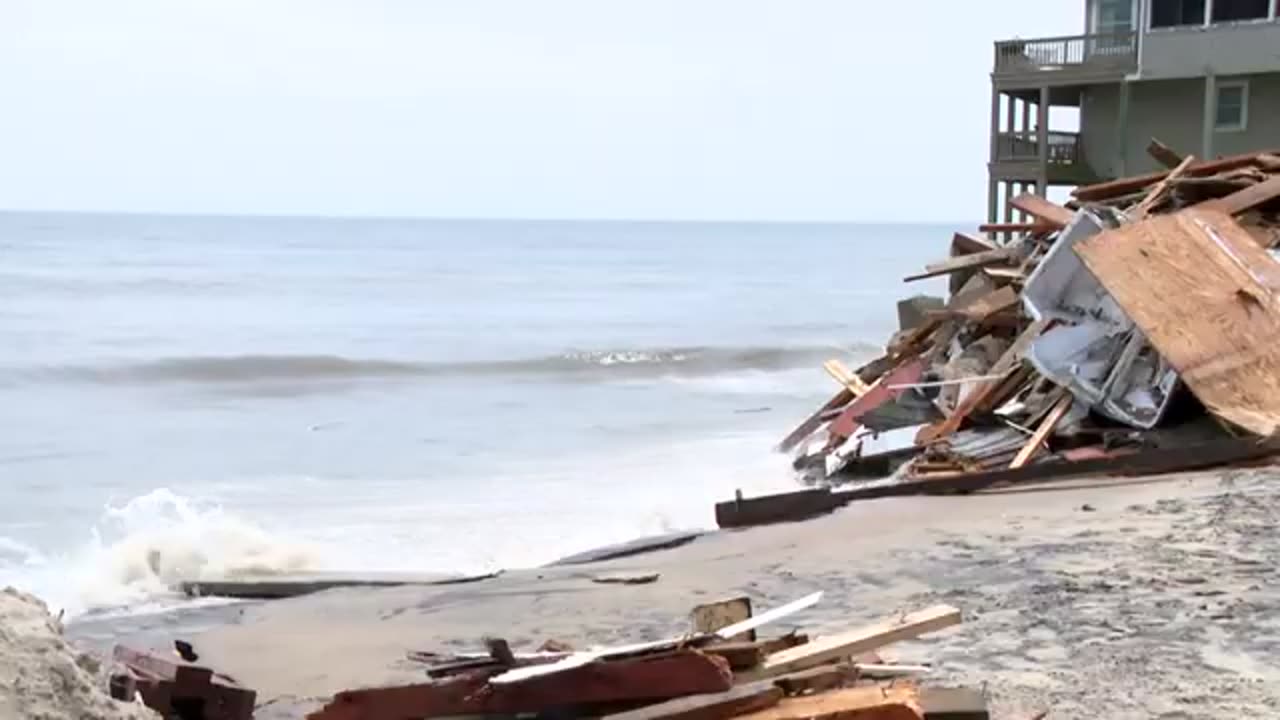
x=1203, y=76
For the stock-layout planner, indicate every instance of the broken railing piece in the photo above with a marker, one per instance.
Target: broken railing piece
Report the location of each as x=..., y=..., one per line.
x=179, y=689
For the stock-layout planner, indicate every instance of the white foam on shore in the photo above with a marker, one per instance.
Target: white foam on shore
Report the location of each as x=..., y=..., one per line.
x=514, y=517
x=138, y=551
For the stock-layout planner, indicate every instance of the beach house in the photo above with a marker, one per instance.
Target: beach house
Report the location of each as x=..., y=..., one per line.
x=1203, y=76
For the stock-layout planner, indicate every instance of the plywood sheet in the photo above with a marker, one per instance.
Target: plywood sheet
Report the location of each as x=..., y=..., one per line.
x=1208, y=298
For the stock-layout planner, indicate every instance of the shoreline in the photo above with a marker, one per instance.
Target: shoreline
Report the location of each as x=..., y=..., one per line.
x=1113, y=598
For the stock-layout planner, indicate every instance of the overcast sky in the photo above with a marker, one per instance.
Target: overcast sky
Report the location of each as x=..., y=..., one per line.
x=664, y=109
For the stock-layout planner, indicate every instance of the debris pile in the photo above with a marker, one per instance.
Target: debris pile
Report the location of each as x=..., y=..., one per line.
x=717, y=670
x=1133, y=330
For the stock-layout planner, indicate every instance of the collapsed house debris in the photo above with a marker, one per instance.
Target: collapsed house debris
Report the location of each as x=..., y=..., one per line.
x=1131, y=331
x=717, y=670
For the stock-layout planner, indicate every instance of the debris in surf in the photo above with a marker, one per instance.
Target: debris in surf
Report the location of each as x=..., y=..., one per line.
x=1121, y=334
x=698, y=675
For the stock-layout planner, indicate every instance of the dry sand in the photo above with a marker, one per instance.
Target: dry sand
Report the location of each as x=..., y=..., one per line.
x=42, y=677
x=1153, y=599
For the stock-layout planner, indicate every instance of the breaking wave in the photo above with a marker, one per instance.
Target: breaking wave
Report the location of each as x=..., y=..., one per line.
x=138, y=551
x=603, y=364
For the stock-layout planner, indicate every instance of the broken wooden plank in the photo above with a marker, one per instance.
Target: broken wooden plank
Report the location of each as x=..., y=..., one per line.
x=1163, y=154
x=1157, y=193
x=1246, y=199
x=964, y=262
x=819, y=679
x=1036, y=442
x=814, y=421
x=1268, y=162
x=966, y=244
x=715, y=706
x=655, y=677
x=769, y=616
x=743, y=655
x=878, y=394
x=822, y=650
x=1127, y=185
x=873, y=702
x=1034, y=228
x=1038, y=207
x=1208, y=299
x=846, y=377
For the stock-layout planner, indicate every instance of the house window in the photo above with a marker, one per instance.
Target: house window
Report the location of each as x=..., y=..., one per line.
x=1234, y=10
x=1176, y=13
x=1114, y=16
x=1232, y=107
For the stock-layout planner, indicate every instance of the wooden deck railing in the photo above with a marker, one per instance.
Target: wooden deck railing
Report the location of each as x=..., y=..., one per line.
x=1111, y=51
x=1064, y=147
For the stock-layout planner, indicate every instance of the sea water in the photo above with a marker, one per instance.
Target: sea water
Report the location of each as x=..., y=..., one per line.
x=187, y=397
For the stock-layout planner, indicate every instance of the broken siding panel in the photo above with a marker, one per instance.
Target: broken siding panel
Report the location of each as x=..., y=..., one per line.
x=1208, y=298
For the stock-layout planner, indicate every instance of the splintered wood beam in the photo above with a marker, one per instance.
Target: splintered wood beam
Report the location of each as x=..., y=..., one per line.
x=1163, y=154
x=1246, y=199
x=883, y=390
x=1047, y=425
x=1038, y=207
x=966, y=244
x=834, y=648
x=1157, y=193
x=964, y=262
x=846, y=377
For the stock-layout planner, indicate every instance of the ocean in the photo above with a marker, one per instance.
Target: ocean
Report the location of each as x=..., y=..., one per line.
x=188, y=397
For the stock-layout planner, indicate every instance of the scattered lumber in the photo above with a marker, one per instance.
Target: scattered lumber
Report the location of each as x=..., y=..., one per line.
x=837, y=647
x=964, y=262
x=1247, y=198
x=1040, y=208
x=1163, y=154
x=656, y=677
x=1036, y=442
x=1157, y=193
x=178, y=688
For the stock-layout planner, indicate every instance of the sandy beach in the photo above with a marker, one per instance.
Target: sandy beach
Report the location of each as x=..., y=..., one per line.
x=1118, y=599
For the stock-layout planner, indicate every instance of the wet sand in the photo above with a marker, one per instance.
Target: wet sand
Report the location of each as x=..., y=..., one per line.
x=1117, y=599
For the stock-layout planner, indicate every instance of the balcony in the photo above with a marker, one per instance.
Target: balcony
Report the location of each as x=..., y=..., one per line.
x=1077, y=59
x=1018, y=158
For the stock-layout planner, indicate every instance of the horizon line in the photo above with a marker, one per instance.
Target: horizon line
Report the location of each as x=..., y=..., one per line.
x=463, y=218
